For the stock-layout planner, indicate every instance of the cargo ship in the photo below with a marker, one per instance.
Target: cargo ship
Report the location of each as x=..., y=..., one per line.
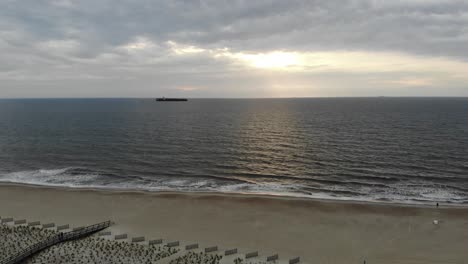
x=164, y=99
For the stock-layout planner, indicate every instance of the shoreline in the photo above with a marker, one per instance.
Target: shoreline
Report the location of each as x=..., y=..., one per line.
x=312, y=229
x=236, y=194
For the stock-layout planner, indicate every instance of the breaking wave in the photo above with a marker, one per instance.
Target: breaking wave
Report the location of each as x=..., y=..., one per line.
x=409, y=193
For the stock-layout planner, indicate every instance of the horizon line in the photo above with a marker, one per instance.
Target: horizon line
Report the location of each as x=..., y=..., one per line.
x=292, y=97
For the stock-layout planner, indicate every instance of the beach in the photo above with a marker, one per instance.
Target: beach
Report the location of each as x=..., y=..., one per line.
x=317, y=231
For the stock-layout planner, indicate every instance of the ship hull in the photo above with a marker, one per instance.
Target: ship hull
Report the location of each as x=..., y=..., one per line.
x=171, y=99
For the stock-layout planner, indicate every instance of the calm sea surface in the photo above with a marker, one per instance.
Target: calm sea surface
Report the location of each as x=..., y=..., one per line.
x=410, y=150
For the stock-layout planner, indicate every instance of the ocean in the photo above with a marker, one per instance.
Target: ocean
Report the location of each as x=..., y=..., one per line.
x=403, y=150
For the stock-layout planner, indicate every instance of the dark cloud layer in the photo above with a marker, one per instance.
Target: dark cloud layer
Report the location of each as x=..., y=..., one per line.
x=432, y=27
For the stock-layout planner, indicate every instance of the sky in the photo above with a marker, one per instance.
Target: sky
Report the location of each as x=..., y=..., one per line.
x=233, y=48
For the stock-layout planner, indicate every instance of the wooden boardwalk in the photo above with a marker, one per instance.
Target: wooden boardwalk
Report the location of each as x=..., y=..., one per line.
x=53, y=240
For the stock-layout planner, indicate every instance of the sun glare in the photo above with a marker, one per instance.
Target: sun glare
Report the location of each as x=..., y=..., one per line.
x=274, y=60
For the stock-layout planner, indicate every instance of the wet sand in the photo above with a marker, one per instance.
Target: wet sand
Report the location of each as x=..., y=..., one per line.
x=317, y=231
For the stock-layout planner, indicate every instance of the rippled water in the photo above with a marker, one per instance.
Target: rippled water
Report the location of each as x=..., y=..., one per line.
x=373, y=149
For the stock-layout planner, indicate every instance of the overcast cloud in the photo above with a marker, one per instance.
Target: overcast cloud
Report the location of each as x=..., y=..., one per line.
x=220, y=48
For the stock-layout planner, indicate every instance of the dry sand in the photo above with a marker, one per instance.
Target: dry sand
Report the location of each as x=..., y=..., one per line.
x=317, y=231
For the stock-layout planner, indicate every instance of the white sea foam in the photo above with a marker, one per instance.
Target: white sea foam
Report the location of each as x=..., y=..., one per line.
x=53, y=177
x=82, y=178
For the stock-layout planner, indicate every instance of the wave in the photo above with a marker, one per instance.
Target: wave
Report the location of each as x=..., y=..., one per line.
x=399, y=192
x=53, y=177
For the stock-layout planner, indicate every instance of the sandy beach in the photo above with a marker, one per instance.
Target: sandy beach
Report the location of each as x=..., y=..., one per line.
x=317, y=231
